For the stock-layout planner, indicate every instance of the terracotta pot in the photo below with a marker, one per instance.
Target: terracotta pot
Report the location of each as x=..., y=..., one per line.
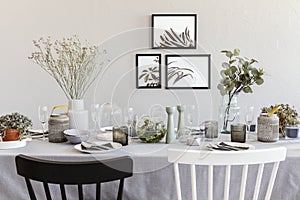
x=11, y=135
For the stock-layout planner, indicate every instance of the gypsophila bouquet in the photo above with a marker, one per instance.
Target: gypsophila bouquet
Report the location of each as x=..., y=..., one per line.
x=16, y=121
x=73, y=65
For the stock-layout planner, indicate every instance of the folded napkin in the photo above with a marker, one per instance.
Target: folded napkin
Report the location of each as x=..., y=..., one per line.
x=94, y=146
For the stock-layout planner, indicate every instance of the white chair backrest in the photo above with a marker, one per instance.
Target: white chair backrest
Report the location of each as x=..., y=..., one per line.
x=228, y=159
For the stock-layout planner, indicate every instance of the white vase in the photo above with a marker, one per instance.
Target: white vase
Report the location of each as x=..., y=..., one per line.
x=78, y=116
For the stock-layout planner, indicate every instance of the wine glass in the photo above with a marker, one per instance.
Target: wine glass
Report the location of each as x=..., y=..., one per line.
x=43, y=118
x=249, y=116
x=129, y=117
x=95, y=114
x=190, y=115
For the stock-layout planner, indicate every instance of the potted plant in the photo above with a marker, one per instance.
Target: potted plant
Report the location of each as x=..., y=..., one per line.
x=238, y=75
x=288, y=118
x=13, y=125
x=74, y=66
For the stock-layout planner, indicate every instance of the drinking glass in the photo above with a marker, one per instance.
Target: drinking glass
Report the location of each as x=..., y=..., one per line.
x=43, y=118
x=95, y=114
x=249, y=117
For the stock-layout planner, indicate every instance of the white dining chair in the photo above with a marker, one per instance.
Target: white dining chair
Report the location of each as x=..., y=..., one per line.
x=227, y=158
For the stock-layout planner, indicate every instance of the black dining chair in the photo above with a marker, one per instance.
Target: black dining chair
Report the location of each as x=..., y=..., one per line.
x=73, y=173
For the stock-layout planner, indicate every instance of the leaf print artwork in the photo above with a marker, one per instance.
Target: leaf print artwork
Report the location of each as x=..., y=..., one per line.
x=172, y=39
x=148, y=69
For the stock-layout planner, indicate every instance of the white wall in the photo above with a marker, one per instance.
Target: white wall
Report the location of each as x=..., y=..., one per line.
x=266, y=30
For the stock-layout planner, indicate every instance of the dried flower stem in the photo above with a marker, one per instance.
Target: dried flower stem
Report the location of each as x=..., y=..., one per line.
x=71, y=64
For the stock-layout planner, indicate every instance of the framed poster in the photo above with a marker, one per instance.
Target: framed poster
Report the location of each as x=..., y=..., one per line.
x=148, y=71
x=188, y=71
x=174, y=31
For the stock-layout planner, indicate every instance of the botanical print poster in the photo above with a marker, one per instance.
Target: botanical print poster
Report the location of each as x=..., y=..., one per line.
x=188, y=71
x=174, y=31
x=148, y=70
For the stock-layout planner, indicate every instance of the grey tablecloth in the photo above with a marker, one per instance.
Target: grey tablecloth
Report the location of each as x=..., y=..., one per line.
x=153, y=175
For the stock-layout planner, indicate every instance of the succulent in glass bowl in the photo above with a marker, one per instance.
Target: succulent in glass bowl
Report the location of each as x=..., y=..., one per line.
x=150, y=131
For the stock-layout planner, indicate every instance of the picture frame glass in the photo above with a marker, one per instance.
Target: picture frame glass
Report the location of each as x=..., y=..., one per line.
x=148, y=70
x=174, y=31
x=188, y=72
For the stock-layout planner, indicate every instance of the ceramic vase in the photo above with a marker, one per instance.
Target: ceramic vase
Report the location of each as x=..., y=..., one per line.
x=170, y=126
x=78, y=116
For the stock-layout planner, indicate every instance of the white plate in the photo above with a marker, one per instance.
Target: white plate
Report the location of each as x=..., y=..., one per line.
x=108, y=128
x=237, y=144
x=12, y=144
x=114, y=144
x=105, y=136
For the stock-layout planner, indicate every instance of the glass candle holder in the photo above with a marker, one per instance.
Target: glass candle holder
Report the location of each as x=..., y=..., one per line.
x=238, y=133
x=120, y=135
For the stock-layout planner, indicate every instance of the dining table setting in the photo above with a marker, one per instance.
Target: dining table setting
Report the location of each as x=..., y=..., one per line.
x=153, y=174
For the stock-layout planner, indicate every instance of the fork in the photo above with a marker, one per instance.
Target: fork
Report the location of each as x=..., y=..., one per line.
x=90, y=145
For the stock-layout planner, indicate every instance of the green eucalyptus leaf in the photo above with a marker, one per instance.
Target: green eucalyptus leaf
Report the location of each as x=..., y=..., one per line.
x=230, y=87
x=233, y=69
x=229, y=54
x=236, y=52
x=254, y=72
x=227, y=72
x=247, y=89
x=220, y=87
x=232, y=61
x=225, y=65
x=259, y=81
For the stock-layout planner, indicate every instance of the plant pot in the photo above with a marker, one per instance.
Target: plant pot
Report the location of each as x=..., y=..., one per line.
x=292, y=132
x=11, y=134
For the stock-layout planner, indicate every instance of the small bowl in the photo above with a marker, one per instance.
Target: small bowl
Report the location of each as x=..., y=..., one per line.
x=76, y=136
x=292, y=131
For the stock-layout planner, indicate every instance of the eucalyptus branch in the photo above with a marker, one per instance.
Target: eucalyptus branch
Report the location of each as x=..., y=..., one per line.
x=238, y=75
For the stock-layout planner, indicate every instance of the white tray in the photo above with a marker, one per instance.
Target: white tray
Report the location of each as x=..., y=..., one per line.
x=12, y=144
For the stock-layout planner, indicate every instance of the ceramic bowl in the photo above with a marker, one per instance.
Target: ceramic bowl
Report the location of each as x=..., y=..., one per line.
x=292, y=131
x=76, y=136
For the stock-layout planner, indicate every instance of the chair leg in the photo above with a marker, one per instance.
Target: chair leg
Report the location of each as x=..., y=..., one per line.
x=63, y=192
x=30, y=189
x=177, y=181
x=47, y=191
x=272, y=180
x=98, y=191
x=120, y=192
x=80, y=192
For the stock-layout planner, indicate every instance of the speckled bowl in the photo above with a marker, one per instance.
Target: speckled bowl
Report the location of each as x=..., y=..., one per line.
x=76, y=136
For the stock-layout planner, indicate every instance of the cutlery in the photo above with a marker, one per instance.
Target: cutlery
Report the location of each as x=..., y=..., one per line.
x=218, y=148
x=93, y=146
x=227, y=145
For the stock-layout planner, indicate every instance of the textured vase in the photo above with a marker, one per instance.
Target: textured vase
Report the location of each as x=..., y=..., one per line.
x=78, y=116
x=180, y=109
x=11, y=135
x=170, y=126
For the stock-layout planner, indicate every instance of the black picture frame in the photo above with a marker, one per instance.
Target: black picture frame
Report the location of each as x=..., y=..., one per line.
x=174, y=31
x=188, y=71
x=148, y=68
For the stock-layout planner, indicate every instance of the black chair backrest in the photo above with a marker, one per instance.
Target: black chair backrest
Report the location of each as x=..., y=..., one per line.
x=73, y=173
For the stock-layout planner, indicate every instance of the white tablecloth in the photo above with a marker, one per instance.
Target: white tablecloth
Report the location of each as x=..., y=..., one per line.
x=153, y=175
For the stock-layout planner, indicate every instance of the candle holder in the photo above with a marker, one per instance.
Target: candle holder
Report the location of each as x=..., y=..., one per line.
x=238, y=133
